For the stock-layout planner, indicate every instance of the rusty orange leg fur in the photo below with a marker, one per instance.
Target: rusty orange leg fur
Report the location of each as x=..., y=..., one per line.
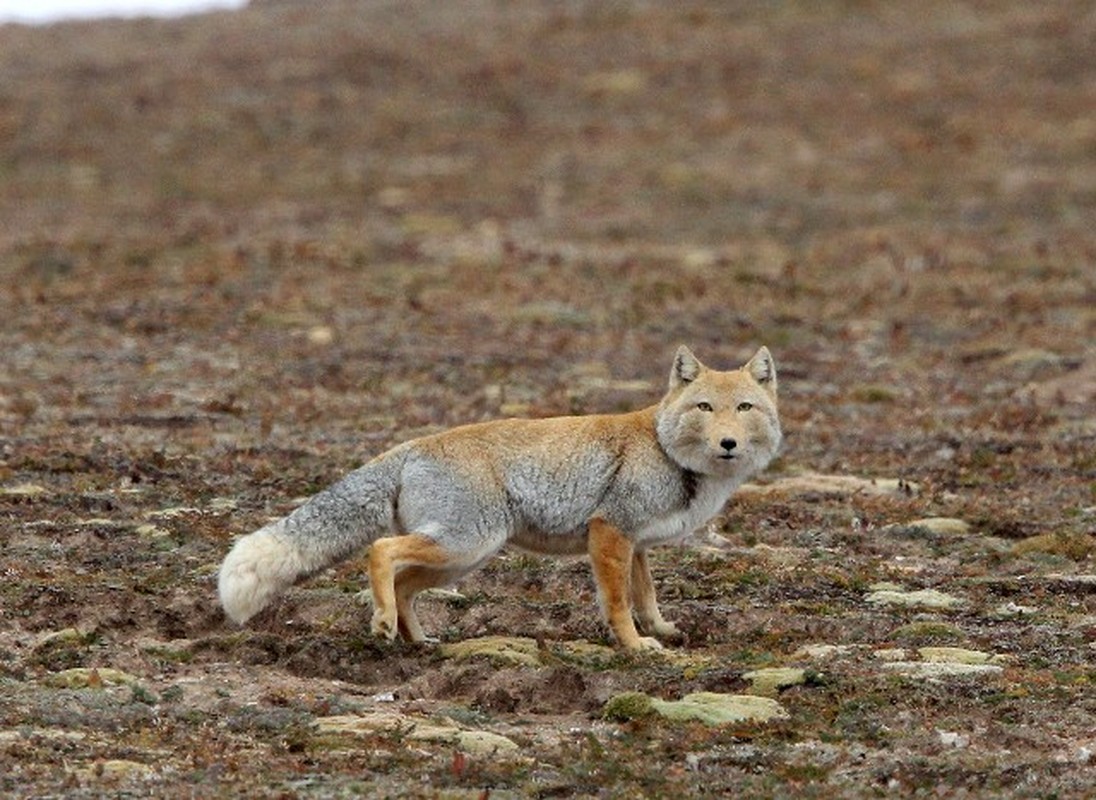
x=409, y=583
x=611, y=555
x=646, y=606
x=388, y=558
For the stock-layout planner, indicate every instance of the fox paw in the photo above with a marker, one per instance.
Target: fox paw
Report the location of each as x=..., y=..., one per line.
x=384, y=625
x=647, y=643
x=668, y=632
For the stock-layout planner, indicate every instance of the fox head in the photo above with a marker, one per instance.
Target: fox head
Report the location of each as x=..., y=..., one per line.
x=723, y=424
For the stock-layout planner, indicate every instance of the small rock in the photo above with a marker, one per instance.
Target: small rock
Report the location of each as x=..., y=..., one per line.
x=484, y=743
x=172, y=513
x=1011, y=609
x=223, y=504
x=821, y=651
x=1082, y=584
x=887, y=586
x=23, y=491
x=320, y=335
x=118, y=769
x=771, y=680
x=889, y=653
x=941, y=669
x=89, y=677
x=926, y=632
x=713, y=708
x=514, y=650
x=474, y=742
x=924, y=598
x=150, y=531
x=830, y=486
x=953, y=739
x=940, y=526
x=355, y=724
x=958, y=655
x=592, y=655
x=445, y=595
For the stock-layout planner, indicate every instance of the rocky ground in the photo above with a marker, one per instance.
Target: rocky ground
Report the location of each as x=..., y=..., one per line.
x=244, y=252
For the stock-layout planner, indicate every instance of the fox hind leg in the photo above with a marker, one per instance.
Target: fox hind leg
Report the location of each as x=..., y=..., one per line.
x=389, y=558
x=409, y=582
x=402, y=566
x=646, y=606
x=611, y=556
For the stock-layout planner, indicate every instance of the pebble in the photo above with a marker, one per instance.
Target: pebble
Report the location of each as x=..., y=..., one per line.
x=820, y=651
x=23, y=491
x=473, y=742
x=713, y=708
x=923, y=598
x=831, y=485
x=511, y=650
x=959, y=655
x=953, y=739
x=942, y=526
x=117, y=769
x=771, y=680
x=89, y=678
x=941, y=669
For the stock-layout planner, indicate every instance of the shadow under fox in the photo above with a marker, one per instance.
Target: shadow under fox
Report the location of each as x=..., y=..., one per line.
x=433, y=509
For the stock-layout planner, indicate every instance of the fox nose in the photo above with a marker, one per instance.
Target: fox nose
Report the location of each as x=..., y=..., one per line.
x=728, y=444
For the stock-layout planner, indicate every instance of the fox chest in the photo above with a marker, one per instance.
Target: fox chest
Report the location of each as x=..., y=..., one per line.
x=678, y=523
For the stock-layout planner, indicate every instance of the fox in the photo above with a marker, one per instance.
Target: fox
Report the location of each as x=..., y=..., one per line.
x=610, y=486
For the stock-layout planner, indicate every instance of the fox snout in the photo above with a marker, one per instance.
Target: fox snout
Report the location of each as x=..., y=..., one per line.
x=728, y=444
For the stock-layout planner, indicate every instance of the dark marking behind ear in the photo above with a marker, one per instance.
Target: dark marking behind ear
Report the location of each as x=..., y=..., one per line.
x=686, y=368
x=762, y=368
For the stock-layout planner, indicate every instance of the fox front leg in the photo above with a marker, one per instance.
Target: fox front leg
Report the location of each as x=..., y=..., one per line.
x=646, y=606
x=611, y=555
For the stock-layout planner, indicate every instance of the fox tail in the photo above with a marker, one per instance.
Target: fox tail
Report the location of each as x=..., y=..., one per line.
x=327, y=528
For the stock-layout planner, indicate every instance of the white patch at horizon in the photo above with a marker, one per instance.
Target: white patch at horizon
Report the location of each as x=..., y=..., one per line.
x=42, y=12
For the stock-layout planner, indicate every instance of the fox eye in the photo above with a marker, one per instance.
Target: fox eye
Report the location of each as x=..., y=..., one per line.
x=704, y=406
x=745, y=406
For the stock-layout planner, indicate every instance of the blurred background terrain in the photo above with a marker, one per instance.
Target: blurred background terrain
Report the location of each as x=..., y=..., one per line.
x=242, y=252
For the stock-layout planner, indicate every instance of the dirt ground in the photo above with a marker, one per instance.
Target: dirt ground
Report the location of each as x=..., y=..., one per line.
x=242, y=253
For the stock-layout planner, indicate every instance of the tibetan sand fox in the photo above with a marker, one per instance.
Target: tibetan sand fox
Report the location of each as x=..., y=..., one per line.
x=433, y=509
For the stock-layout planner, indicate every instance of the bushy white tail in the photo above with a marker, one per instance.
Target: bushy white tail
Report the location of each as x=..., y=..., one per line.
x=258, y=568
x=329, y=527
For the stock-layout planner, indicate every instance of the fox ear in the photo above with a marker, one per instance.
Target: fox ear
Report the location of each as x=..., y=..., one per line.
x=763, y=369
x=686, y=369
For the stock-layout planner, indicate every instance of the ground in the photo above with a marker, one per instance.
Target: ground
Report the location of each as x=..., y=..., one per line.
x=242, y=253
